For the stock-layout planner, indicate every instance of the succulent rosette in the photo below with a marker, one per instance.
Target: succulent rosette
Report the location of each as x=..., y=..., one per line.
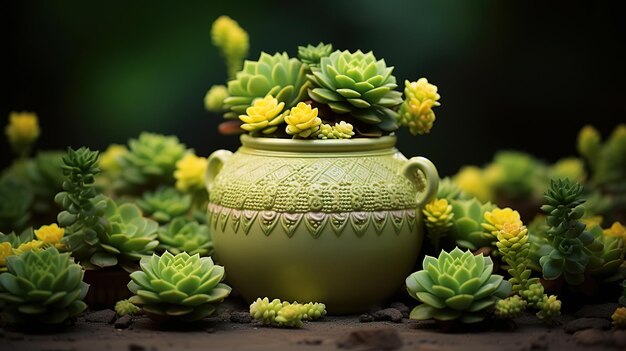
x=467, y=231
x=311, y=55
x=182, y=234
x=129, y=238
x=181, y=287
x=164, y=204
x=151, y=160
x=359, y=85
x=17, y=198
x=42, y=287
x=606, y=265
x=278, y=75
x=456, y=285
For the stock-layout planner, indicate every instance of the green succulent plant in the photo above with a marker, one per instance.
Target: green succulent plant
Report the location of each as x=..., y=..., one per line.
x=17, y=198
x=182, y=234
x=130, y=237
x=17, y=239
x=515, y=175
x=449, y=190
x=151, y=161
x=285, y=314
x=572, y=245
x=511, y=307
x=125, y=307
x=83, y=206
x=278, y=75
x=606, y=265
x=467, y=231
x=311, y=55
x=164, y=204
x=42, y=287
x=357, y=84
x=45, y=176
x=456, y=285
x=181, y=287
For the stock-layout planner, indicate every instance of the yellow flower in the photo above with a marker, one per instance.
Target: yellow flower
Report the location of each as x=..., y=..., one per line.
x=33, y=245
x=50, y=234
x=470, y=179
x=592, y=221
x=23, y=127
x=302, y=121
x=497, y=218
x=190, y=171
x=512, y=233
x=617, y=229
x=619, y=318
x=263, y=115
x=416, y=110
x=110, y=159
x=5, y=251
x=438, y=215
x=214, y=98
x=422, y=91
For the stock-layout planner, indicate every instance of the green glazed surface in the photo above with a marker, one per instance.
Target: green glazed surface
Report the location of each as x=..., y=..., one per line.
x=332, y=221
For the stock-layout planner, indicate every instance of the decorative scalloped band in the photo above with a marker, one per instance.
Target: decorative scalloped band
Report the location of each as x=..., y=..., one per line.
x=315, y=222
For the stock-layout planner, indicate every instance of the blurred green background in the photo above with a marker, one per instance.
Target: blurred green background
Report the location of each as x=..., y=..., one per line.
x=512, y=75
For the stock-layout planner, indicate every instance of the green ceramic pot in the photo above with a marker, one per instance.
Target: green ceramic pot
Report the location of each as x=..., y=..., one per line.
x=332, y=221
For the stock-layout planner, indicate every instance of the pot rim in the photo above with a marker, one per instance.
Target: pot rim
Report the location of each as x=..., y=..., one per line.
x=318, y=146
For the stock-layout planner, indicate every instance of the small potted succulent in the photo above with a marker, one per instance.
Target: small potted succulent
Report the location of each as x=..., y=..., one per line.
x=317, y=204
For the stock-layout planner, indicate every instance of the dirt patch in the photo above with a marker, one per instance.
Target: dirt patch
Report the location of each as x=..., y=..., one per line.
x=223, y=332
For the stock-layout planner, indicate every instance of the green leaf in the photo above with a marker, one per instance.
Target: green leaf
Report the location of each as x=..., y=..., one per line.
x=102, y=260
x=460, y=302
x=422, y=312
x=430, y=299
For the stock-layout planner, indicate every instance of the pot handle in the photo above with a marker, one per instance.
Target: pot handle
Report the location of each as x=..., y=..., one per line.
x=215, y=162
x=430, y=172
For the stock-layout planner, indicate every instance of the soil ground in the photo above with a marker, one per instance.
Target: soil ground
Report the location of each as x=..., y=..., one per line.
x=330, y=333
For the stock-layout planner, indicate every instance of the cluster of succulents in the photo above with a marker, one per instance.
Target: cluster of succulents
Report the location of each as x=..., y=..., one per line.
x=321, y=94
x=181, y=287
x=285, y=314
x=41, y=287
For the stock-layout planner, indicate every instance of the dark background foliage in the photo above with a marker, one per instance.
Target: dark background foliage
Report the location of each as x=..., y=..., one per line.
x=512, y=74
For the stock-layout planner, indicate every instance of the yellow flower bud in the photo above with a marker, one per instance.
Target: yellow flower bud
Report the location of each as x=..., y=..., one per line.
x=343, y=130
x=33, y=245
x=50, y=234
x=302, y=121
x=190, y=171
x=619, y=318
x=416, y=110
x=5, y=251
x=616, y=230
x=592, y=221
x=497, y=218
x=264, y=114
x=438, y=215
x=22, y=131
x=470, y=179
x=422, y=91
x=233, y=42
x=23, y=127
